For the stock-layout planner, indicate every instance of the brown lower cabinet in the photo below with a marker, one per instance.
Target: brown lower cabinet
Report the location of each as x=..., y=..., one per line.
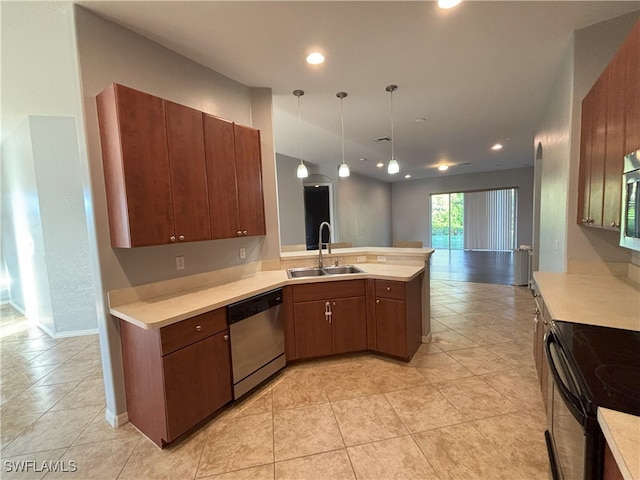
x=329, y=318
x=176, y=376
x=540, y=327
x=398, y=317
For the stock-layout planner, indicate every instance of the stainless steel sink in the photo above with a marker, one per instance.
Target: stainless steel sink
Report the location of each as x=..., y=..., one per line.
x=342, y=269
x=305, y=272
x=317, y=272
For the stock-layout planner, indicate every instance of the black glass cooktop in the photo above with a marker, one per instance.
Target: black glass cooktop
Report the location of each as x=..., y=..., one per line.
x=608, y=362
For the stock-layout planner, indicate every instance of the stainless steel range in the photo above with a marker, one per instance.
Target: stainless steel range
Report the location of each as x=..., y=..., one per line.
x=591, y=366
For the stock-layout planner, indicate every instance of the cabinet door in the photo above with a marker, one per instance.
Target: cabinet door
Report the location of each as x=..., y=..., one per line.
x=614, y=153
x=632, y=121
x=391, y=327
x=586, y=144
x=188, y=173
x=598, y=151
x=312, y=329
x=136, y=166
x=221, y=177
x=249, y=180
x=220, y=385
x=349, y=324
x=197, y=382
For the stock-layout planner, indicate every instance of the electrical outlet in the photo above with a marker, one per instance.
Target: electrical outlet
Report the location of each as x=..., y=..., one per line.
x=557, y=246
x=362, y=259
x=243, y=253
x=180, y=263
x=382, y=259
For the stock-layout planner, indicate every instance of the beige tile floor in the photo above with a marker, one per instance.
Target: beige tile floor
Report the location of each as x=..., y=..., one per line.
x=466, y=407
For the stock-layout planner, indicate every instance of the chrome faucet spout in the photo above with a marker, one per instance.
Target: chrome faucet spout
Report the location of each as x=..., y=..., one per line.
x=320, y=243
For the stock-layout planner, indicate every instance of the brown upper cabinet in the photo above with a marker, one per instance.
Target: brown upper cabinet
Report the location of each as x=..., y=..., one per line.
x=159, y=173
x=610, y=129
x=234, y=172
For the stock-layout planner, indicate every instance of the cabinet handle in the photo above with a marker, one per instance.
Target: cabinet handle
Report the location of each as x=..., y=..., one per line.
x=172, y=238
x=244, y=232
x=615, y=225
x=388, y=289
x=377, y=300
x=198, y=328
x=226, y=338
x=239, y=233
x=181, y=238
x=327, y=311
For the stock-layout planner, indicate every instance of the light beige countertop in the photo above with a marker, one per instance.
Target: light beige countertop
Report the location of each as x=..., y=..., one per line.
x=156, y=310
x=622, y=432
x=591, y=299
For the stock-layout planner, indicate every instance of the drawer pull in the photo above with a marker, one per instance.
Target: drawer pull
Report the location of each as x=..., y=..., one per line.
x=388, y=289
x=198, y=328
x=378, y=300
x=226, y=338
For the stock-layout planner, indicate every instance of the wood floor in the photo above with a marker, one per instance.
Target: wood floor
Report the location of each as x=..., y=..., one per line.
x=473, y=266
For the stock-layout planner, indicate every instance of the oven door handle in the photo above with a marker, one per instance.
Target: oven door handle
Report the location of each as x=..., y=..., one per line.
x=572, y=401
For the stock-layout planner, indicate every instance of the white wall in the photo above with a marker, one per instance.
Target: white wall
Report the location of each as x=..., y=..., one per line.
x=364, y=211
x=410, y=200
x=565, y=246
x=361, y=205
x=553, y=136
x=110, y=53
x=290, y=201
x=40, y=78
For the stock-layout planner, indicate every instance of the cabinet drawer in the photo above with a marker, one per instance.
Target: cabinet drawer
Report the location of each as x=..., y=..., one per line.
x=326, y=290
x=390, y=289
x=184, y=333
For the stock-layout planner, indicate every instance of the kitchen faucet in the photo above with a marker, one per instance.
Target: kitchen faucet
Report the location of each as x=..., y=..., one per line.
x=320, y=244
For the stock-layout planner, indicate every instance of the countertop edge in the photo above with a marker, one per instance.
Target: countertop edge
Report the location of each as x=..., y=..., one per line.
x=612, y=441
x=121, y=310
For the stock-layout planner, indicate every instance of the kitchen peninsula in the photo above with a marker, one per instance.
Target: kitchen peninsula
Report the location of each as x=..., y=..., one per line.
x=175, y=334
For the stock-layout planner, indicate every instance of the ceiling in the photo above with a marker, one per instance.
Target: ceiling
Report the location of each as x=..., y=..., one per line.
x=477, y=74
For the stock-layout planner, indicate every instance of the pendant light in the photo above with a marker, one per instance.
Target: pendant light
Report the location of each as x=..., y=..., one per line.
x=343, y=171
x=302, y=171
x=392, y=167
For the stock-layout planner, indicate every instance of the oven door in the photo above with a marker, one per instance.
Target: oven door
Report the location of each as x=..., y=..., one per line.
x=566, y=439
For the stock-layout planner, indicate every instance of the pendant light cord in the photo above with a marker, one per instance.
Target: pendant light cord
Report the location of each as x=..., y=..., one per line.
x=393, y=137
x=299, y=129
x=342, y=117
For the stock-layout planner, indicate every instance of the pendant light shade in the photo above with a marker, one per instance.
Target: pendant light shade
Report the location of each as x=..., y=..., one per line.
x=393, y=167
x=343, y=171
x=302, y=171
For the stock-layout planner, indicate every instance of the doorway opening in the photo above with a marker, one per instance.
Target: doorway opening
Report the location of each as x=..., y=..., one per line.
x=318, y=205
x=474, y=235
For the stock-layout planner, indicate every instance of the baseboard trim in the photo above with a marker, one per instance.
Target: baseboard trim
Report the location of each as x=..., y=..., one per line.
x=116, y=420
x=76, y=333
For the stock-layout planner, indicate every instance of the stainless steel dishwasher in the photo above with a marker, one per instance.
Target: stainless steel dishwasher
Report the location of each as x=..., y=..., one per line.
x=257, y=340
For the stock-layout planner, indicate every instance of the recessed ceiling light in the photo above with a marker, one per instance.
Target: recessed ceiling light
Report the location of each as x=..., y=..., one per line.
x=446, y=4
x=497, y=146
x=363, y=159
x=421, y=119
x=315, y=58
x=443, y=168
x=407, y=176
x=379, y=164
